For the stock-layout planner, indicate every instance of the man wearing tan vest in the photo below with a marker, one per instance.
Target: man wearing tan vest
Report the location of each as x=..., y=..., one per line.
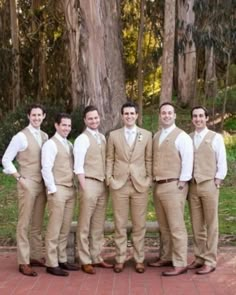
x=210, y=168
x=57, y=171
x=25, y=146
x=89, y=153
x=172, y=169
x=129, y=175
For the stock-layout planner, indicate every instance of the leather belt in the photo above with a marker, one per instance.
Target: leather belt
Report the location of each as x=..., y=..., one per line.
x=92, y=178
x=166, y=180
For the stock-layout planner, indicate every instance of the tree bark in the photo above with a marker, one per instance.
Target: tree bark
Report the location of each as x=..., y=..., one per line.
x=168, y=52
x=96, y=57
x=210, y=79
x=187, y=52
x=16, y=55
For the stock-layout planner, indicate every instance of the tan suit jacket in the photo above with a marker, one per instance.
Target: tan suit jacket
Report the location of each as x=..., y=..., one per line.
x=124, y=162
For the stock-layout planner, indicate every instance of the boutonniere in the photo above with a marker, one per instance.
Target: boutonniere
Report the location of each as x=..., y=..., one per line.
x=207, y=141
x=140, y=136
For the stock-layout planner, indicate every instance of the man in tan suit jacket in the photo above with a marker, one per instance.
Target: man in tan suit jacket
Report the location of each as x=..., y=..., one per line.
x=128, y=174
x=25, y=146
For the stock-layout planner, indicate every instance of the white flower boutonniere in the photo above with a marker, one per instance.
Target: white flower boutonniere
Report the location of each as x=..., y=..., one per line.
x=207, y=141
x=140, y=136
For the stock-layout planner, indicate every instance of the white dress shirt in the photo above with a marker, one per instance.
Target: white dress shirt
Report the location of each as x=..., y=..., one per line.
x=49, y=152
x=219, y=148
x=18, y=144
x=184, y=146
x=81, y=146
x=130, y=134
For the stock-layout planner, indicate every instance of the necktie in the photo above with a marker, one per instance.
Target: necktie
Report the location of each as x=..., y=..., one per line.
x=38, y=138
x=197, y=140
x=66, y=144
x=130, y=137
x=97, y=137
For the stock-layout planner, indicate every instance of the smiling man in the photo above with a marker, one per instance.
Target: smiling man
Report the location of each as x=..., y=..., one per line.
x=89, y=153
x=210, y=168
x=25, y=146
x=172, y=169
x=57, y=171
x=129, y=175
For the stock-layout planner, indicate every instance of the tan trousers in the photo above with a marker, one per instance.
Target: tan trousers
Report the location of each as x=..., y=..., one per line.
x=123, y=200
x=60, y=211
x=31, y=206
x=92, y=214
x=170, y=203
x=203, y=202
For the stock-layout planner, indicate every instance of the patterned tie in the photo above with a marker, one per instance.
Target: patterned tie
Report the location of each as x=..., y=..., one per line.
x=97, y=137
x=197, y=140
x=130, y=137
x=38, y=137
x=66, y=144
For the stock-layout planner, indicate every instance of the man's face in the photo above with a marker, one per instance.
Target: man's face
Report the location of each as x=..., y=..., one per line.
x=167, y=116
x=92, y=120
x=36, y=117
x=199, y=119
x=64, y=128
x=129, y=117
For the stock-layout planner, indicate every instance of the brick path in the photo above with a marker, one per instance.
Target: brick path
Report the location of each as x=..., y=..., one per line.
x=106, y=282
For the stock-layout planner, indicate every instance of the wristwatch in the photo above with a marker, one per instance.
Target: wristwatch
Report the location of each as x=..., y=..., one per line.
x=18, y=178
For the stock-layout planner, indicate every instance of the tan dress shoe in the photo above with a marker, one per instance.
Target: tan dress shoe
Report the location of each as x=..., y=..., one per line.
x=139, y=267
x=103, y=264
x=160, y=263
x=205, y=270
x=118, y=267
x=195, y=265
x=175, y=272
x=27, y=270
x=88, y=268
x=38, y=262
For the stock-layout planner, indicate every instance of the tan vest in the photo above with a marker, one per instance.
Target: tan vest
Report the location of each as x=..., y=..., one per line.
x=94, y=163
x=63, y=165
x=29, y=160
x=204, y=165
x=166, y=158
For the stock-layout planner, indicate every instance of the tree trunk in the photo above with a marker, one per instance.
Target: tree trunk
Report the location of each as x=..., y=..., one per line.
x=168, y=52
x=187, y=52
x=96, y=57
x=140, y=62
x=16, y=56
x=210, y=79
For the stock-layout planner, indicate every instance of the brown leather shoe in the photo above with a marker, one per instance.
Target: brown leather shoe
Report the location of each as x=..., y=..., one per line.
x=205, y=270
x=175, y=272
x=103, y=264
x=88, y=268
x=118, y=267
x=160, y=263
x=194, y=265
x=68, y=266
x=57, y=271
x=139, y=267
x=26, y=270
x=35, y=262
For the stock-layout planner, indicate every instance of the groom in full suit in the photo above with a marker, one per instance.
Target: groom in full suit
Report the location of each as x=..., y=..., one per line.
x=128, y=174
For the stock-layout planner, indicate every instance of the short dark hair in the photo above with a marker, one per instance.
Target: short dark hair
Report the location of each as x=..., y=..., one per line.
x=88, y=109
x=35, y=106
x=61, y=116
x=129, y=104
x=166, y=104
x=200, y=107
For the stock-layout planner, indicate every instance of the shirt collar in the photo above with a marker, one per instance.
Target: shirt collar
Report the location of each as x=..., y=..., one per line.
x=59, y=137
x=132, y=130
x=169, y=129
x=32, y=129
x=202, y=133
x=93, y=132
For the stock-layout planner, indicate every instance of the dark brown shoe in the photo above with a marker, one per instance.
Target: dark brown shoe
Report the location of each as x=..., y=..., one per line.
x=118, y=267
x=26, y=270
x=160, y=263
x=175, y=272
x=205, y=270
x=195, y=265
x=57, y=271
x=139, y=267
x=35, y=262
x=103, y=264
x=88, y=268
x=68, y=266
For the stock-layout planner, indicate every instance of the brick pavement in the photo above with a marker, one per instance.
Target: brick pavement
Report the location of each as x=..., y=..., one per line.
x=106, y=282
